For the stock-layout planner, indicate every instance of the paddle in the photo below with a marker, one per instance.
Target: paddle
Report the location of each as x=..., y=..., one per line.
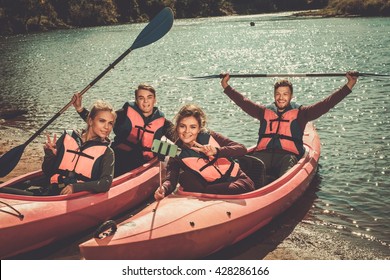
x=220, y=76
x=163, y=149
x=156, y=29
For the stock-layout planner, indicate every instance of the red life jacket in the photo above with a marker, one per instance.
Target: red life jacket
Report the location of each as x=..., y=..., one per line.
x=138, y=132
x=75, y=161
x=211, y=169
x=281, y=132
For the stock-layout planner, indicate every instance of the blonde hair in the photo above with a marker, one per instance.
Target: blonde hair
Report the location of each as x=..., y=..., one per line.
x=100, y=106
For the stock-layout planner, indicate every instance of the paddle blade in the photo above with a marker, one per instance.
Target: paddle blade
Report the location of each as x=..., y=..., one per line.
x=155, y=30
x=9, y=160
x=374, y=75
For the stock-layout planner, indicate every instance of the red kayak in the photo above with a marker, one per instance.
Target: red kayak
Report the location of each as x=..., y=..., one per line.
x=187, y=225
x=31, y=222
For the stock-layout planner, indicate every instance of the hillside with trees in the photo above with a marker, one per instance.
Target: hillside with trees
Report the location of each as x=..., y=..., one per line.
x=364, y=8
x=25, y=16
x=360, y=7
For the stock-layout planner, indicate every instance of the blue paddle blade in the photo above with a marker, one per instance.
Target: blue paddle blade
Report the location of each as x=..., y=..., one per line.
x=9, y=160
x=156, y=29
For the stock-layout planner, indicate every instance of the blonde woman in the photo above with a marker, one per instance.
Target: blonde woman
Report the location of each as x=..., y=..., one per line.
x=82, y=161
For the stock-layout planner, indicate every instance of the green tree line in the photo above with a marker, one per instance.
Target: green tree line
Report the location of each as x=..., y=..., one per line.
x=23, y=16
x=360, y=7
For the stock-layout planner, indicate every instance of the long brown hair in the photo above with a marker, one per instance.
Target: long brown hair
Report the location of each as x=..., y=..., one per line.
x=190, y=110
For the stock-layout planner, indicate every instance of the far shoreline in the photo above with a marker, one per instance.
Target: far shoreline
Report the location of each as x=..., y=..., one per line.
x=325, y=13
x=315, y=13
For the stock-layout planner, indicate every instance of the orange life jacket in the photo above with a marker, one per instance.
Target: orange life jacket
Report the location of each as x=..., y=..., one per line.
x=213, y=169
x=281, y=132
x=137, y=132
x=76, y=161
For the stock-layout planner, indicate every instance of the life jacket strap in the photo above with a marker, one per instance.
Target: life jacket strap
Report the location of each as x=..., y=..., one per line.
x=80, y=153
x=276, y=136
x=277, y=120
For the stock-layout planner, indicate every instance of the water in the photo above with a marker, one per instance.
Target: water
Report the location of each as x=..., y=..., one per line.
x=40, y=72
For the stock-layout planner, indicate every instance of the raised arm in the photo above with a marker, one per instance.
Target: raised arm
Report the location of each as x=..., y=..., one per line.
x=229, y=148
x=77, y=104
x=248, y=106
x=315, y=111
x=352, y=77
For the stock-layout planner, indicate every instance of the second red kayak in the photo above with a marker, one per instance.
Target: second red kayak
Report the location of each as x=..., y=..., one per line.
x=187, y=225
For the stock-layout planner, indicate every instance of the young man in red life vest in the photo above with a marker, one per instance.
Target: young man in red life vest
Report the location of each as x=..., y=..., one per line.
x=283, y=122
x=138, y=124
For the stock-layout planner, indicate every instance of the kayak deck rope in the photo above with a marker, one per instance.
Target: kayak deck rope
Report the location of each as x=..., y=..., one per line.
x=17, y=214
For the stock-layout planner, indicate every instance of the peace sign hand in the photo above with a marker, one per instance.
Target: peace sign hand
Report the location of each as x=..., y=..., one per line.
x=51, y=145
x=208, y=150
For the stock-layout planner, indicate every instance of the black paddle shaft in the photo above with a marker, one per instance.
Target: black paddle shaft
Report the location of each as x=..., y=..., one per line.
x=286, y=75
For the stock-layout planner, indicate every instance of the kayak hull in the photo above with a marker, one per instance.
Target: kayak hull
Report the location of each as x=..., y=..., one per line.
x=192, y=225
x=31, y=222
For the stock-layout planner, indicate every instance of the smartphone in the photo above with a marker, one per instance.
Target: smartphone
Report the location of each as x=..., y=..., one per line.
x=164, y=148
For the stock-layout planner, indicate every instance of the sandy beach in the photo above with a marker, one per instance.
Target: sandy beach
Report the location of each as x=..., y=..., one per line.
x=292, y=236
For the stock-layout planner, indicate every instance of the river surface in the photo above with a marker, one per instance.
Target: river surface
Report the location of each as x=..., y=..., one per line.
x=40, y=73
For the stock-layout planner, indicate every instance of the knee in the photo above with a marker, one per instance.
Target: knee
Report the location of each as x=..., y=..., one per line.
x=255, y=169
x=287, y=162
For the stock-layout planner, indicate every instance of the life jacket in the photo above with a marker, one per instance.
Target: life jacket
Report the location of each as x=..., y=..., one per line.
x=281, y=132
x=136, y=132
x=77, y=162
x=213, y=169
